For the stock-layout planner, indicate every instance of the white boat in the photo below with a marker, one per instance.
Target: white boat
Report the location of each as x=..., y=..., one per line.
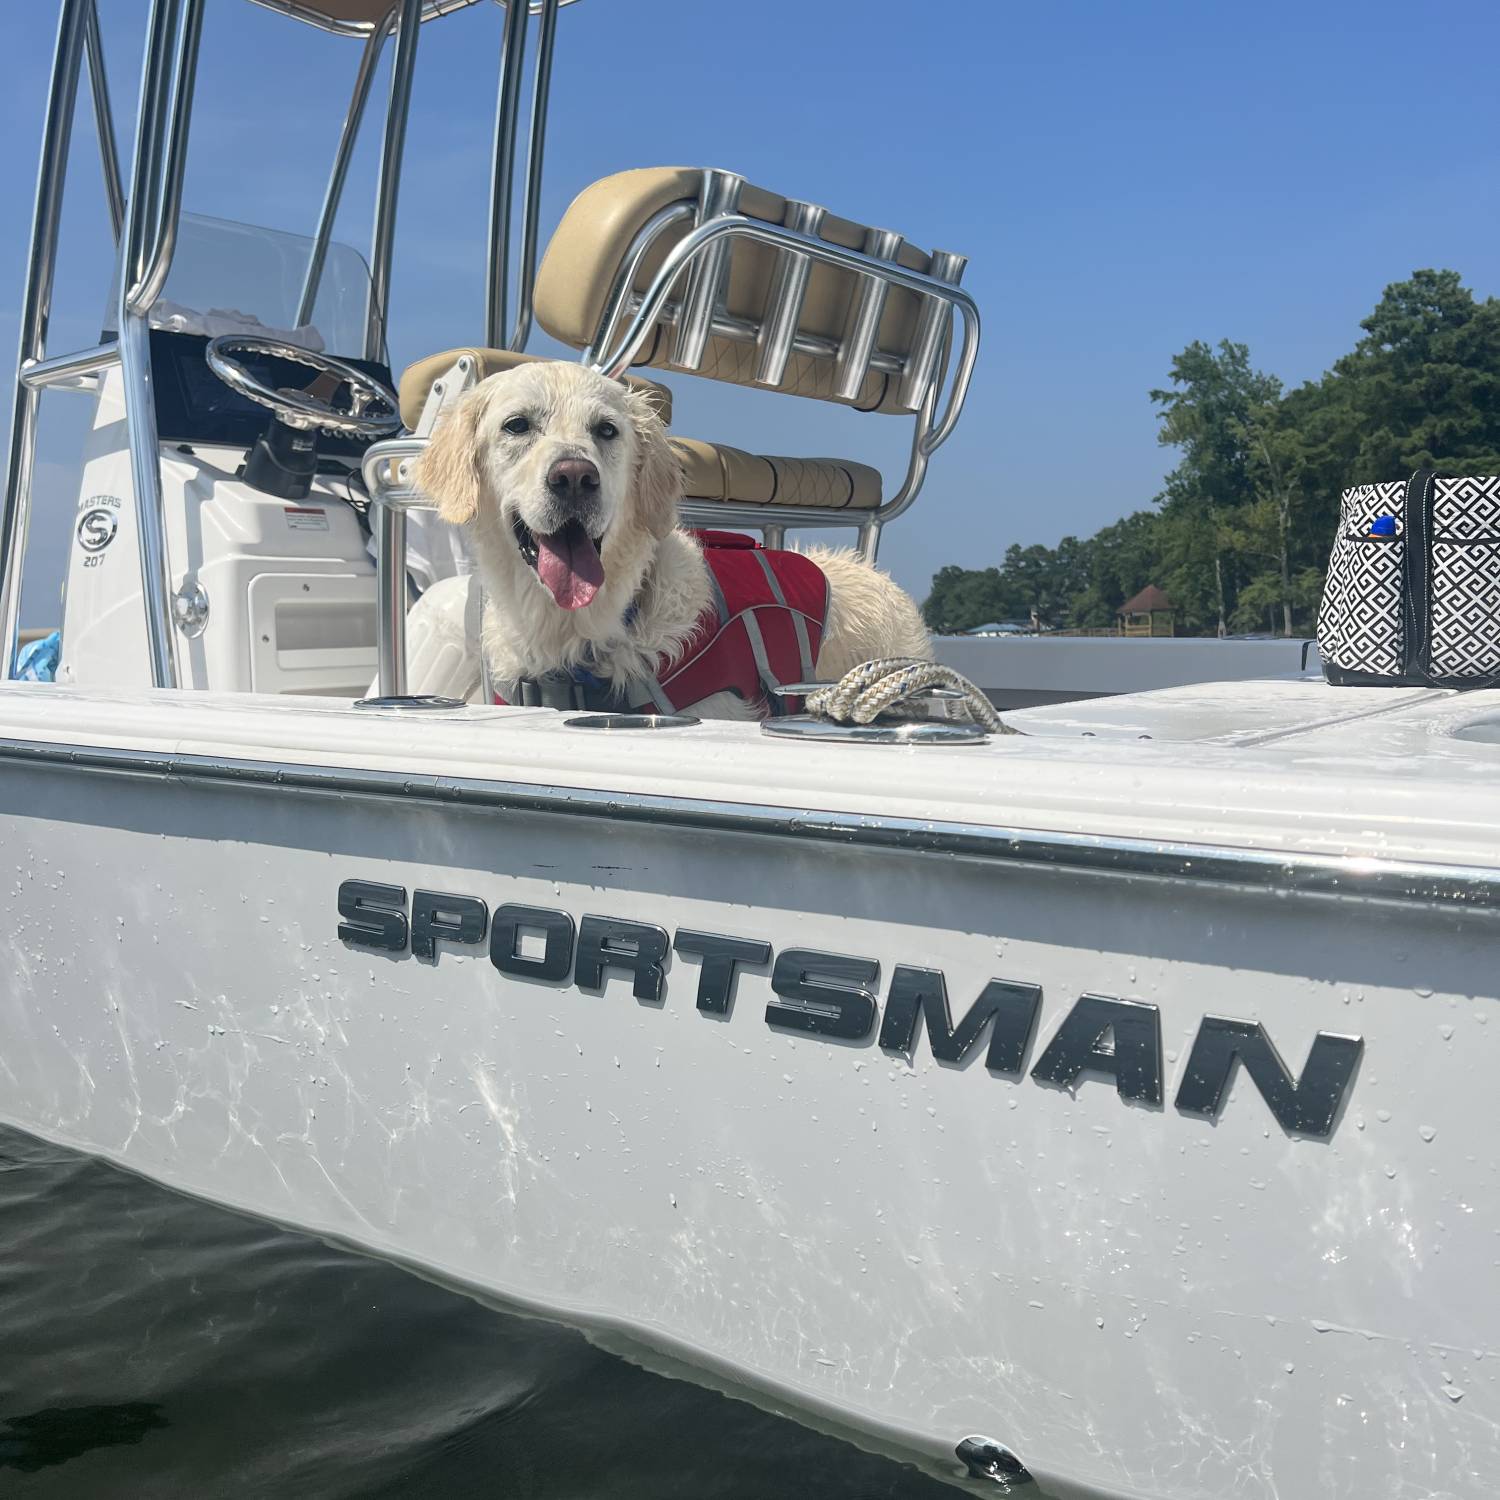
x=1092, y=1111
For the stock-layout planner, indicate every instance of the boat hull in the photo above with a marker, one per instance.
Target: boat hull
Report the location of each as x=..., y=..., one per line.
x=1138, y=1300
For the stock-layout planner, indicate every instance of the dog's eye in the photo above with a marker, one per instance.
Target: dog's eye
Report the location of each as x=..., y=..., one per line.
x=606, y=431
x=518, y=425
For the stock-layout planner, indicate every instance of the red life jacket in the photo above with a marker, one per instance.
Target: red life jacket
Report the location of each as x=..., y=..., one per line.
x=762, y=629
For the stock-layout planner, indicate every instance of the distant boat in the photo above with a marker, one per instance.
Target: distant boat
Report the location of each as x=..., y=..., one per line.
x=1001, y=627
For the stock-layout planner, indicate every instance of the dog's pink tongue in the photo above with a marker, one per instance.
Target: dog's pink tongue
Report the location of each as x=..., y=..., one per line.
x=568, y=563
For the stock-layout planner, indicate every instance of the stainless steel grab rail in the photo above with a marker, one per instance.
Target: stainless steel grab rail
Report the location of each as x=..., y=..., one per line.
x=536, y=148
x=432, y=10
x=15, y=504
x=104, y=122
x=615, y=359
x=348, y=136
x=149, y=240
x=392, y=146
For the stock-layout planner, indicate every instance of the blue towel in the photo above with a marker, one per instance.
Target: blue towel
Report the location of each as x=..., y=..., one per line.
x=37, y=662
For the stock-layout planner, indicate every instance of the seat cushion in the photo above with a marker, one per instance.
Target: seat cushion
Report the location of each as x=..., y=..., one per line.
x=417, y=380
x=592, y=244
x=714, y=471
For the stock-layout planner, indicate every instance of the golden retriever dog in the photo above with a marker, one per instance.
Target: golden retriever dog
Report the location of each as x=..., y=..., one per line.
x=569, y=487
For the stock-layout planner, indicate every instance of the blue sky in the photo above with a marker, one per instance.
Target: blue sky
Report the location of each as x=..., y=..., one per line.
x=1124, y=178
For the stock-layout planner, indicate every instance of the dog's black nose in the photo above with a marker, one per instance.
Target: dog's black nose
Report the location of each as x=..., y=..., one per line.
x=573, y=479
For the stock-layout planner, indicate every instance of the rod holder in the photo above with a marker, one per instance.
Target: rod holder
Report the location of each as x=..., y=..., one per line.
x=789, y=281
x=390, y=599
x=933, y=320
x=853, y=363
x=719, y=195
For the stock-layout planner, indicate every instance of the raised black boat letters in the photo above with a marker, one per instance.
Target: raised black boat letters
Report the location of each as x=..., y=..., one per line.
x=836, y=995
x=1012, y=1008
x=1132, y=1058
x=828, y=994
x=1309, y=1106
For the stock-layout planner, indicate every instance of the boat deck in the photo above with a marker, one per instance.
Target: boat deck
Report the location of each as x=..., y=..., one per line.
x=1275, y=766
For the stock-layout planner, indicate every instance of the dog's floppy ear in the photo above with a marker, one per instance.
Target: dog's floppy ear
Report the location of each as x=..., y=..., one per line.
x=658, y=470
x=448, y=470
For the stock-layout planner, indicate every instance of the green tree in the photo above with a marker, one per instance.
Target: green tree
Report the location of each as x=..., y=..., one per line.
x=1424, y=382
x=1263, y=533
x=1204, y=414
x=1121, y=561
x=1041, y=583
x=1240, y=533
x=962, y=598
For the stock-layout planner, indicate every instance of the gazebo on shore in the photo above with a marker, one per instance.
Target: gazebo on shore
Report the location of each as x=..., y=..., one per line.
x=1150, y=612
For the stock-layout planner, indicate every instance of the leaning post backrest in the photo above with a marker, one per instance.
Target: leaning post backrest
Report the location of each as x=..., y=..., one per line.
x=749, y=306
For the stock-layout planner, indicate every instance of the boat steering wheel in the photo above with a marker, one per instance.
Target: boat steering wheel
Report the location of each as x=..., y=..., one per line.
x=301, y=409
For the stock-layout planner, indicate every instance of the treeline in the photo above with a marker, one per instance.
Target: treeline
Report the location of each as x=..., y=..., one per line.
x=1239, y=537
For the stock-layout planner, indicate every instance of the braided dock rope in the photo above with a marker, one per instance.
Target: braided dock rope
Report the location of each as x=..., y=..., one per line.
x=881, y=686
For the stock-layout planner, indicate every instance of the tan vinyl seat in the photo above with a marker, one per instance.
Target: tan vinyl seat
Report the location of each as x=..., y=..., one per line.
x=715, y=471
x=416, y=382
x=592, y=249
x=592, y=242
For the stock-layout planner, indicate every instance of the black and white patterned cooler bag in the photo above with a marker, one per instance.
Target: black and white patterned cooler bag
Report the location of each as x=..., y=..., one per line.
x=1420, y=604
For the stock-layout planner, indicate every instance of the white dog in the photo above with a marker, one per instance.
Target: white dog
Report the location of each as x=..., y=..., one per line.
x=569, y=487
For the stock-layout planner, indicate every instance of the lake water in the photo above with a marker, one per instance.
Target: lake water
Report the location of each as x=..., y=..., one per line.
x=156, y=1348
